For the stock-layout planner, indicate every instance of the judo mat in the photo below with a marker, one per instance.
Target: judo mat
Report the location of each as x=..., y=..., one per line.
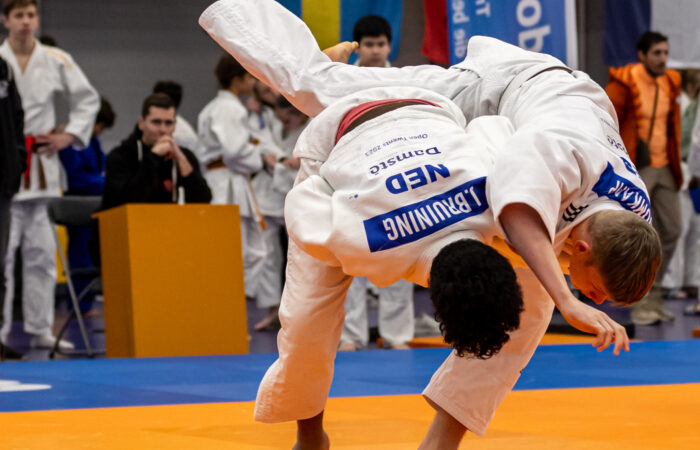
x=569, y=396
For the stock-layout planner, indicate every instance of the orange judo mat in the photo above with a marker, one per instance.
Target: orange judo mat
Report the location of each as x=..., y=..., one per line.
x=642, y=417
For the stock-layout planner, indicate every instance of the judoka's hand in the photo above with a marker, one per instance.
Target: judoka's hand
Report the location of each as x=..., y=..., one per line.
x=341, y=52
x=50, y=144
x=269, y=160
x=590, y=320
x=292, y=163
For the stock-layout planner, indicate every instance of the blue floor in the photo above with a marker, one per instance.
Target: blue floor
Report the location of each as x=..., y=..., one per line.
x=164, y=381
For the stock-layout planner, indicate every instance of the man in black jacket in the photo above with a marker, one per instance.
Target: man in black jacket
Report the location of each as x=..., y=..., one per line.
x=13, y=160
x=149, y=166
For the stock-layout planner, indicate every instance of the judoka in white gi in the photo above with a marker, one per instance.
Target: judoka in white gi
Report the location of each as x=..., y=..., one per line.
x=382, y=203
x=563, y=173
x=279, y=126
x=41, y=74
x=230, y=155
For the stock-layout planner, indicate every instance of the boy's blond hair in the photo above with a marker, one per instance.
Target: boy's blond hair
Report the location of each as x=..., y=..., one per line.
x=626, y=252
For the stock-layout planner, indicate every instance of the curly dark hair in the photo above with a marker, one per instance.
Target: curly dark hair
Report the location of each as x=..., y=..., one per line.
x=476, y=297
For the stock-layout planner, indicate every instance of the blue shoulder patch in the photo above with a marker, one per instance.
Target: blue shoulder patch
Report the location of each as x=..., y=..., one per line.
x=624, y=192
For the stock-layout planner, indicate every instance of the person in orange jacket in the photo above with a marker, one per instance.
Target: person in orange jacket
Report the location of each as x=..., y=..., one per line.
x=645, y=97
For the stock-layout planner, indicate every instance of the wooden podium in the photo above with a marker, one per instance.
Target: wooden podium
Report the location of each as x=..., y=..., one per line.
x=172, y=278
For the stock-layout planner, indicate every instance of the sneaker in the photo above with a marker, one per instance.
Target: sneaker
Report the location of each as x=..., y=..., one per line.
x=47, y=341
x=425, y=325
x=9, y=354
x=403, y=346
x=692, y=310
x=645, y=317
x=665, y=314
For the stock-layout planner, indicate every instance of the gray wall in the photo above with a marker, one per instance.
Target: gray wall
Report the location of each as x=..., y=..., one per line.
x=125, y=46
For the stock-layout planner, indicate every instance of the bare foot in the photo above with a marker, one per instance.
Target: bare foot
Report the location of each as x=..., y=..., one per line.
x=268, y=320
x=341, y=52
x=347, y=347
x=400, y=347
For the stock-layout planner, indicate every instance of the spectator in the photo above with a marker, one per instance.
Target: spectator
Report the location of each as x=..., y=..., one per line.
x=645, y=97
x=152, y=168
x=271, y=186
x=231, y=155
x=694, y=169
x=45, y=72
x=184, y=134
x=13, y=157
x=85, y=172
x=373, y=34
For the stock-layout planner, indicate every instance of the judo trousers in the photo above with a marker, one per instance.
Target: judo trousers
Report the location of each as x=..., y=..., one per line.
x=30, y=228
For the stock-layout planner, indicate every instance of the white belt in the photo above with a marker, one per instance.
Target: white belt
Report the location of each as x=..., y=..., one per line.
x=525, y=75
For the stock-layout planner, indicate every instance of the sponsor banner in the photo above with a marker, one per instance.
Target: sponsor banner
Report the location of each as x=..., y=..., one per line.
x=547, y=26
x=418, y=220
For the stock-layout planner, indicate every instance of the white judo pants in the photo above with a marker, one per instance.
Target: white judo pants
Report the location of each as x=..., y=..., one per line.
x=30, y=228
x=396, y=318
x=683, y=270
x=277, y=48
x=269, y=291
x=252, y=239
x=311, y=313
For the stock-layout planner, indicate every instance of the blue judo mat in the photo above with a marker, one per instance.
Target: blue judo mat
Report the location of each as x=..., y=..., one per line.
x=167, y=381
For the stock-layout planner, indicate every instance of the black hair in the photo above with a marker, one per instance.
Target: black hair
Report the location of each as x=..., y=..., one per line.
x=648, y=39
x=227, y=69
x=157, y=101
x=47, y=40
x=283, y=102
x=106, y=115
x=371, y=26
x=476, y=297
x=170, y=88
x=9, y=5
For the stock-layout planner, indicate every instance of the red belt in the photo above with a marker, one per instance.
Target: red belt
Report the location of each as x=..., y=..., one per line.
x=30, y=143
x=370, y=110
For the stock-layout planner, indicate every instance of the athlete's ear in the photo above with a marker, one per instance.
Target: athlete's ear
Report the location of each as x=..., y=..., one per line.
x=582, y=247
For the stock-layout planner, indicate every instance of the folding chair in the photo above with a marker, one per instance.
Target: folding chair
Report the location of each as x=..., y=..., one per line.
x=74, y=211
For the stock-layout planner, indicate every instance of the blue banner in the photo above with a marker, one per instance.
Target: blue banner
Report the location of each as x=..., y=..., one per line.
x=415, y=221
x=391, y=10
x=546, y=26
x=625, y=21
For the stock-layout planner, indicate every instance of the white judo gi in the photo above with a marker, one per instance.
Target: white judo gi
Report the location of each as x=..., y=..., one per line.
x=184, y=134
x=230, y=155
x=565, y=159
x=381, y=204
x=270, y=189
x=50, y=72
